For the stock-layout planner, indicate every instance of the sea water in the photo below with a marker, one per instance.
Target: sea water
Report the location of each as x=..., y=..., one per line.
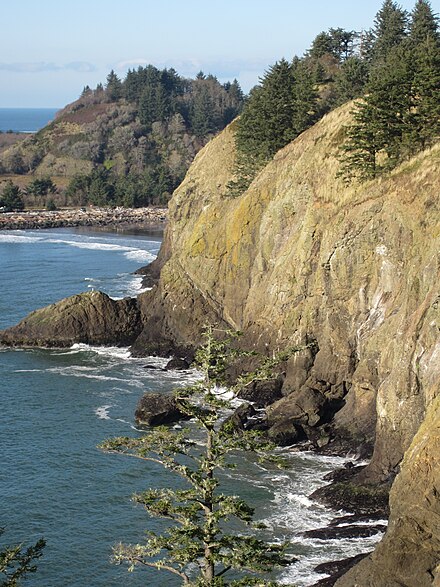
x=25, y=119
x=58, y=405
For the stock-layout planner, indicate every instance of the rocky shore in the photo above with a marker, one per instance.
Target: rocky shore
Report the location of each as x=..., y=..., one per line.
x=82, y=217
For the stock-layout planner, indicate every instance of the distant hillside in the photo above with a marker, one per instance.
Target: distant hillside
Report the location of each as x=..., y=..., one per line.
x=128, y=143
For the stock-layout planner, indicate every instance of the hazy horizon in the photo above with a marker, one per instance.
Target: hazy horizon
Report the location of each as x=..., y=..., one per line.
x=51, y=49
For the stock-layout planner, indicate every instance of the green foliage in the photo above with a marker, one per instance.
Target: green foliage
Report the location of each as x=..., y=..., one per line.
x=41, y=187
x=351, y=80
x=400, y=114
x=280, y=108
x=196, y=545
x=390, y=29
x=11, y=198
x=51, y=206
x=424, y=23
x=17, y=561
x=113, y=87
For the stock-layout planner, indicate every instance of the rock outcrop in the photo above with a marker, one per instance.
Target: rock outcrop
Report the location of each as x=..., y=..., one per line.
x=301, y=258
x=91, y=318
x=154, y=409
x=409, y=554
x=350, y=274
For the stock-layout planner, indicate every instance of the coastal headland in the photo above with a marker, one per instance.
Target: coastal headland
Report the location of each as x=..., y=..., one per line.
x=90, y=216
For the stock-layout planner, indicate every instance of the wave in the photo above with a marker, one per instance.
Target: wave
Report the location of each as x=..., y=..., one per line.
x=140, y=255
x=18, y=238
x=111, y=351
x=102, y=412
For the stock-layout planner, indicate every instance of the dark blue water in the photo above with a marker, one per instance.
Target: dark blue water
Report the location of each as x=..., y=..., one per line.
x=56, y=406
x=25, y=119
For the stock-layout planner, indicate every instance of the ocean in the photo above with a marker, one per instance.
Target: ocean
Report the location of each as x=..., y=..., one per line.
x=58, y=405
x=25, y=119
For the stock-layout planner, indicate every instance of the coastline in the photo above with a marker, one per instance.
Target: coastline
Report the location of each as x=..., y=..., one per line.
x=93, y=216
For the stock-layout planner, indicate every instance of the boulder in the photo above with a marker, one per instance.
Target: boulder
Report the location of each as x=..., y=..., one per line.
x=286, y=433
x=262, y=393
x=154, y=409
x=176, y=364
x=307, y=407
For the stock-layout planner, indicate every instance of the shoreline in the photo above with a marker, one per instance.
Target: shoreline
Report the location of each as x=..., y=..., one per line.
x=119, y=216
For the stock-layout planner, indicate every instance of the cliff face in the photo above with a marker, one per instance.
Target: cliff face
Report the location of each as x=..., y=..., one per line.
x=301, y=257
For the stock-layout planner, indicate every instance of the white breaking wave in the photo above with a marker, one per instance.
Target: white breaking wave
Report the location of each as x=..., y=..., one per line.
x=140, y=255
x=102, y=412
x=112, y=351
x=18, y=238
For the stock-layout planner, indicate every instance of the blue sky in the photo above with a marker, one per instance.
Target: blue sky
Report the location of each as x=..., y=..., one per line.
x=50, y=49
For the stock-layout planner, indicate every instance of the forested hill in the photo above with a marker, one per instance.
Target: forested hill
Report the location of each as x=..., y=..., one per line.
x=129, y=141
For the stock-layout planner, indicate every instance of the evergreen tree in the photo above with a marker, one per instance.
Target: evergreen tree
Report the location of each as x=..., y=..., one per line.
x=284, y=105
x=351, y=80
x=305, y=99
x=426, y=86
x=202, y=114
x=424, y=23
x=113, y=87
x=16, y=562
x=196, y=546
x=11, y=198
x=389, y=30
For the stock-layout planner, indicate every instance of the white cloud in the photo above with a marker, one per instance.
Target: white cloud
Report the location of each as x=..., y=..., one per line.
x=44, y=66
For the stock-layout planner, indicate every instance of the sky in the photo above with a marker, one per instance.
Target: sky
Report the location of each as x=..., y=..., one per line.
x=51, y=49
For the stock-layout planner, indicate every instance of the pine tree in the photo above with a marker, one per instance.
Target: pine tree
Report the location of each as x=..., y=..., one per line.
x=305, y=100
x=423, y=24
x=426, y=85
x=383, y=120
x=196, y=546
x=16, y=561
x=11, y=197
x=351, y=79
x=113, y=87
x=389, y=30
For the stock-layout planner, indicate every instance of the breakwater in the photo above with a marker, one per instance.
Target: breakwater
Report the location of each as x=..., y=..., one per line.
x=81, y=217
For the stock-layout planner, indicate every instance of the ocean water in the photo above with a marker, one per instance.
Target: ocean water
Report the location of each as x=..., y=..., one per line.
x=57, y=405
x=25, y=119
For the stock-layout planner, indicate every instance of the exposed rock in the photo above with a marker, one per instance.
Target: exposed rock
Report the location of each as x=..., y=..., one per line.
x=347, y=531
x=154, y=409
x=301, y=257
x=336, y=569
x=177, y=364
x=80, y=217
x=91, y=318
x=305, y=407
x=262, y=393
x=241, y=417
x=286, y=433
x=353, y=497
x=409, y=553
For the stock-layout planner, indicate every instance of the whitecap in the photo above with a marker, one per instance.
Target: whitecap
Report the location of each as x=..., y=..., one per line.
x=111, y=351
x=140, y=255
x=15, y=238
x=102, y=412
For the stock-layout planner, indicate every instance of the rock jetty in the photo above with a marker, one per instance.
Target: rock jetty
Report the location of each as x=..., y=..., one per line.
x=82, y=217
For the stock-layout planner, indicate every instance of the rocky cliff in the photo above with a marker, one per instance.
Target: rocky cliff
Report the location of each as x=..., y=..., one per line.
x=303, y=257
x=351, y=272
